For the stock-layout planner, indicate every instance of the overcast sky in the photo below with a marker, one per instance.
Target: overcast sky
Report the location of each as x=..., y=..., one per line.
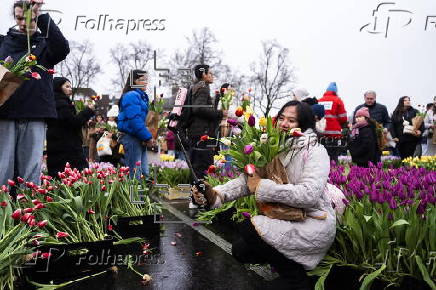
x=324, y=38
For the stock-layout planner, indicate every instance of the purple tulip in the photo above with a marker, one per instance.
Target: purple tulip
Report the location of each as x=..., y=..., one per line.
x=248, y=149
x=232, y=122
x=393, y=203
x=9, y=59
x=251, y=121
x=246, y=214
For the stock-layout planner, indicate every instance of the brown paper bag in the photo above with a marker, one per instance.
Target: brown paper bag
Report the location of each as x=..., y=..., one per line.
x=277, y=173
x=9, y=83
x=417, y=122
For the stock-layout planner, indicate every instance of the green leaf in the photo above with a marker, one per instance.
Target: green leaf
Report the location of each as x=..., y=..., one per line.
x=366, y=284
x=320, y=283
x=424, y=273
x=399, y=223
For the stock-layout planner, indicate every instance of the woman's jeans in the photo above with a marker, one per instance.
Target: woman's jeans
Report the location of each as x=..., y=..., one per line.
x=135, y=152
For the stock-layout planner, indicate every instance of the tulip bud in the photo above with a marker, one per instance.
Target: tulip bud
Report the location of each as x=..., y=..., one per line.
x=20, y=180
x=204, y=138
x=251, y=121
x=3, y=204
x=16, y=214
x=239, y=111
x=248, y=149
x=250, y=169
x=4, y=188
x=30, y=185
x=28, y=210
x=103, y=188
x=25, y=217
x=42, y=224
x=48, y=199
x=62, y=235
x=11, y=182
x=39, y=206
x=211, y=169
x=263, y=122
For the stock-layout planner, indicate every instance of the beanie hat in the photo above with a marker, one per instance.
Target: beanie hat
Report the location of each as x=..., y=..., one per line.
x=58, y=83
x=113, y=112
x=318, y=110
x=310, y=101
x=300, y=93
x=332, y=87
x=362, y=112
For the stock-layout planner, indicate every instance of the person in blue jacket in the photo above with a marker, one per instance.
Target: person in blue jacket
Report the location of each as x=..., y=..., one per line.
x=23, y=117
x=132, y=122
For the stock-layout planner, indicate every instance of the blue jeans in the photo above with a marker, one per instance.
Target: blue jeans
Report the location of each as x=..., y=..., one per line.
x=134, y=151
x=22, y=144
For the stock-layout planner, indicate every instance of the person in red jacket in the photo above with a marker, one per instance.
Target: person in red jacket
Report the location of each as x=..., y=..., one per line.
x=336, y=117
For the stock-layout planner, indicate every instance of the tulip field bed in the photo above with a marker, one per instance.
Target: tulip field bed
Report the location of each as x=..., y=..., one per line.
x=386, y=236
x=76, y=214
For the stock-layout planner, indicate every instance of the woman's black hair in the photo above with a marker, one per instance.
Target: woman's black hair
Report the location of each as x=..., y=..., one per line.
x=429, y=106
x=135, y=74
x=20, y=4
x=305, y=116
x=399, y=110
x=201, y=69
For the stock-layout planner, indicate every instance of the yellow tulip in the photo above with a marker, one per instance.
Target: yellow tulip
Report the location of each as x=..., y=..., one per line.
x=262, y=122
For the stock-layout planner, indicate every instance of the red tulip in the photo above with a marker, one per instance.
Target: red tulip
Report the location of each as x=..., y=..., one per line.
x=35, y=201
x=11, y=182
x=42, y=224
x=50, y=188
x=204, y=138
x=35, y=75
x=25, y=217
x=296, y=132
x=109, y=227
x=239, y=111
x=39, y=206
x=51, y=71
x=30, y=185
x=28, y=210
x=31, y=221
x=62, y=235
x=21, y=196
x=3, y=204
x=20, y=180
x=48, y=199
x=16, y=214
x=103, y=188
x=250, y=169
x=61, y=175
x=67, y=165
x=138, y=163
x=211, y=169
x=42, y=190
x=90, y=211
x=5, y=188
x=45, y=255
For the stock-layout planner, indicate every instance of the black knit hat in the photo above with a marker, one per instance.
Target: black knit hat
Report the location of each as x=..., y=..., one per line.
x=58, y=82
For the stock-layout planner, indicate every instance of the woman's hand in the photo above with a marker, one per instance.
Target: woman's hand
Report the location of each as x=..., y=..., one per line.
x=418, y=133
x=209, y=196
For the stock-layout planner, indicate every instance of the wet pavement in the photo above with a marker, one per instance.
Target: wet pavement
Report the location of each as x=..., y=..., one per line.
x=199, y=259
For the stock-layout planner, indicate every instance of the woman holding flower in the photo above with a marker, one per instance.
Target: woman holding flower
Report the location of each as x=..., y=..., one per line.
x=131, y=121
x=291, y=247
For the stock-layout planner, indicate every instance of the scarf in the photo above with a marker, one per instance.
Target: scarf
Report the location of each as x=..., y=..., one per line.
x=357, y=126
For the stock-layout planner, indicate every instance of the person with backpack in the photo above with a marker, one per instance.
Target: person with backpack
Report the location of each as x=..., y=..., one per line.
x=131, y=121
x=203, y=120
x=363, y=145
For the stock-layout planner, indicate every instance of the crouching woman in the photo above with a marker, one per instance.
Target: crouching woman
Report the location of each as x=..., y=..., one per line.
x=291, y=247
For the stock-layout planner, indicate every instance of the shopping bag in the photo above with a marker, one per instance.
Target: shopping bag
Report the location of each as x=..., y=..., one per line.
x=104, y=145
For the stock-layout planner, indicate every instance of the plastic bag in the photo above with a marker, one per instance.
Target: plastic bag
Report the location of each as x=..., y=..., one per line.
x=104, y=145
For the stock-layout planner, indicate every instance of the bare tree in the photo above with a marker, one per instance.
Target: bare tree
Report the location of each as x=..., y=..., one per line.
x=272, y=78
x=127, y=57
x=201, y=49
x=81, y=66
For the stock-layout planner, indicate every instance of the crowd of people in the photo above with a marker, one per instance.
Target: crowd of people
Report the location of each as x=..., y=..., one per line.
x=80, y=137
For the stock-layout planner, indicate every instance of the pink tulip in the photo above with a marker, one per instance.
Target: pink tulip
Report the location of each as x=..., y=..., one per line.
x=42, y=224
x=250, y=169
x=4, y=188
x=39, y=206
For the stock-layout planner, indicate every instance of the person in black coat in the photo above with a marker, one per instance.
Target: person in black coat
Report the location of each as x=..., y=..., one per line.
x=23, y=116
x=64, y=135
x=377, y=112
x=402, y=130
x=363, y=145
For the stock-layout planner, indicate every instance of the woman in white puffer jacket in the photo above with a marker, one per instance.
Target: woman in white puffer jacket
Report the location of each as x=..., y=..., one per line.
x=290, y=247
